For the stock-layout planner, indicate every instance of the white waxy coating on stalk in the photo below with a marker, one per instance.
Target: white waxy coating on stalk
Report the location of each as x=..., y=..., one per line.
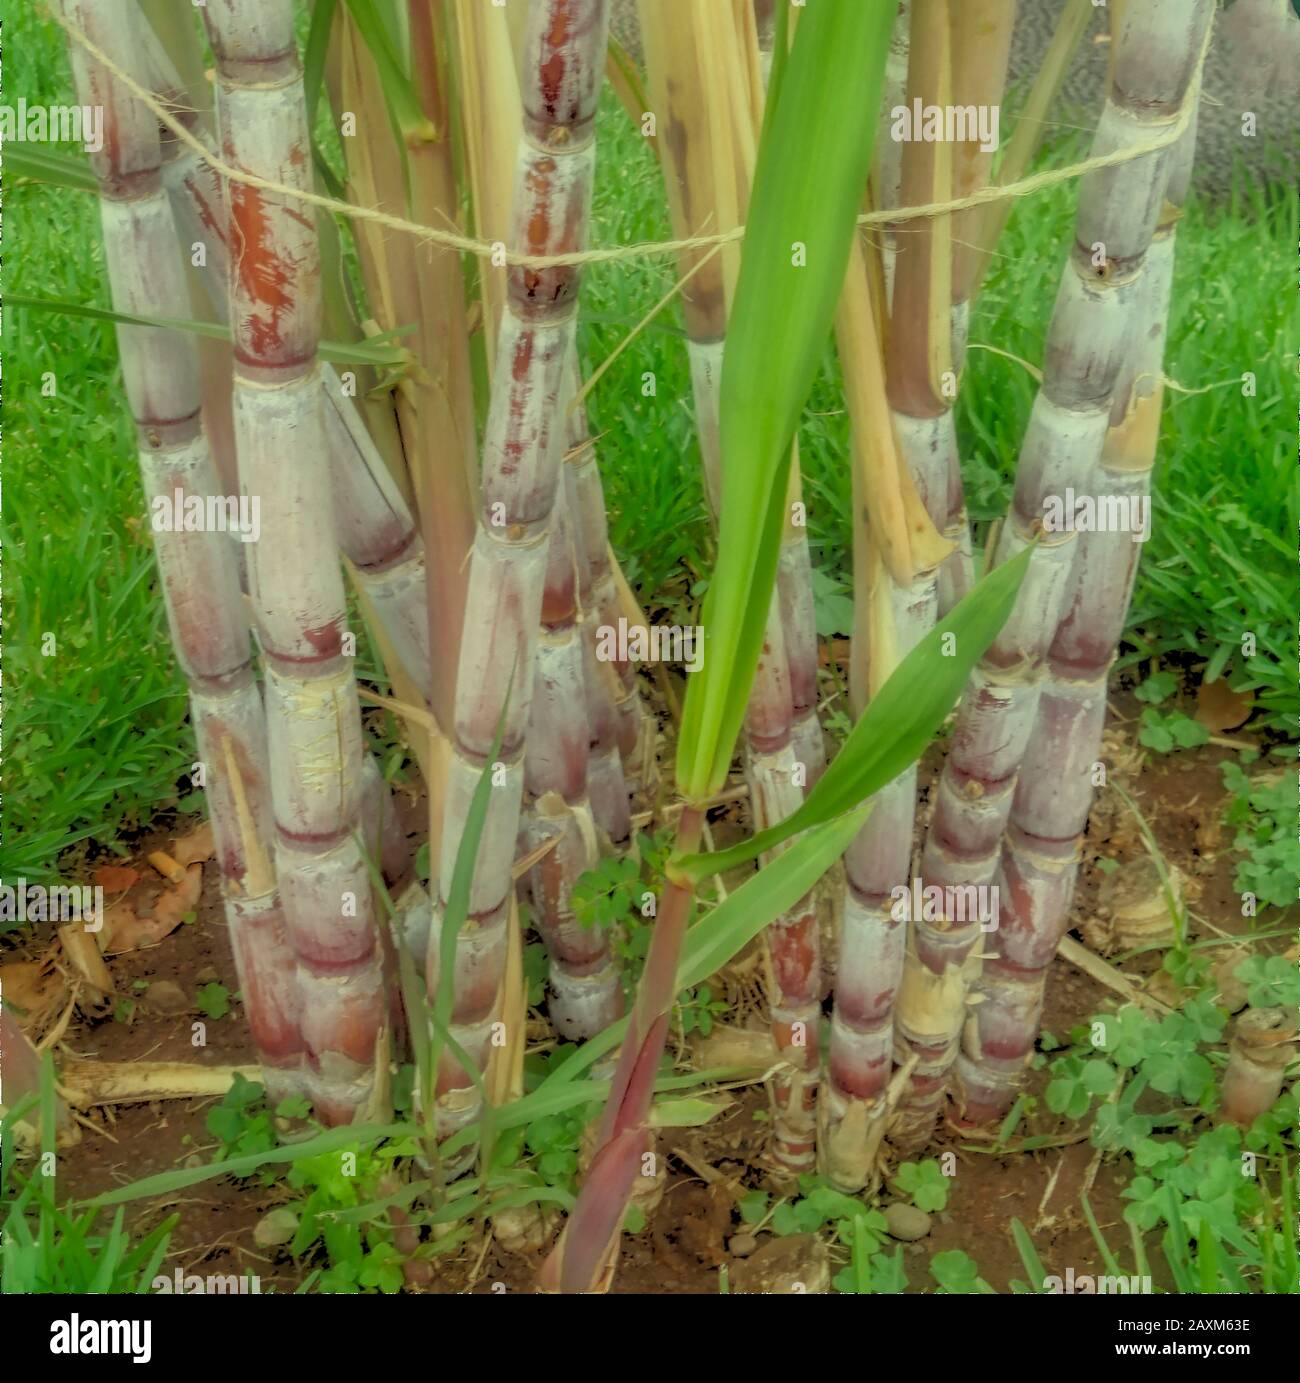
x=268, y=984
x=297, y=584
x=144, y=274
x=585, y=991
x=230, y=727
x=1054, y=790
x=928, y=446
x=198, y=568
x=328, y=904
x=794, y=589
x=560, y=74
x=497, y=844
x=313, y=715
x=705, y=359
x=502, y=611
x=315, y=749
x=1099, y=310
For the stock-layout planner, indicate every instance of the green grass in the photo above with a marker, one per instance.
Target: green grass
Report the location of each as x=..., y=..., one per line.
x=95, y=705
x=96, y=736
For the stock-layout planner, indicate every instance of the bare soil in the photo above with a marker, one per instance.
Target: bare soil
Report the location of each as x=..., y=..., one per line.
x=688, y=1238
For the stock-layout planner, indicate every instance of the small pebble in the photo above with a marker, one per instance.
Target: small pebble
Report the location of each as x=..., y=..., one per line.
x=208, y=975
x=276, y=1227
x=742, y=1245
x=906, y=1222
x=166, y=997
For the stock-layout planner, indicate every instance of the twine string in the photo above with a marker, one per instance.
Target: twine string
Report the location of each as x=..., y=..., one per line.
x=486, y=249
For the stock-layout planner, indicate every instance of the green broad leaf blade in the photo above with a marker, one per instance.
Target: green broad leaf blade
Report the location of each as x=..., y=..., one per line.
x=898, y=724
x=812, y=166
x=369, y=352
x=688, y=1112
x=43, y=165
x=775, y=889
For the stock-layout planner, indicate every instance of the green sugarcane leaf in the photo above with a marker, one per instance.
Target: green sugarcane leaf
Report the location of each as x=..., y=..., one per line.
x=43, y=165
x=372, y=351
x=629, y=71
x=898, y=724
x=812, y=166
x=690, y=1112
x=313, y=60
x=1029, y=1257
x=727, y=929
x=404, y=109
x=780, y=57
x=331, y=1140
x=456, y=910
x=775, y=889
x=313, y=82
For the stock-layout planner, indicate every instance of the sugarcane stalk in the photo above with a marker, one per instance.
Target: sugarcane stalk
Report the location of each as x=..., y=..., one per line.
x=887, y=172
x=896, y=554
x=940, y=953
x=621, y=762
x=1092, y=432
x=585, y=994
x=493, y=119
x=702, y=70
x=1260, y=1050
x=981, y=46
x=984, y=228
x=198, y=568
x=376, y=530
x=615, y=714
x=958, y=55
x=866, y=1028
x=522, y=451
x=313, y=718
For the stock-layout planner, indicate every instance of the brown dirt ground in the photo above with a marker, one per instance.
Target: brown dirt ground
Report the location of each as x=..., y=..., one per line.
x=687, y=1239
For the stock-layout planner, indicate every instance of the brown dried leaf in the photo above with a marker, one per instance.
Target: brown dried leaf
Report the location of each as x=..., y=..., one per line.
x=116, y=878
x=195, y=848
x=33, y=989
x=132, y=932
x=1219, y=708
